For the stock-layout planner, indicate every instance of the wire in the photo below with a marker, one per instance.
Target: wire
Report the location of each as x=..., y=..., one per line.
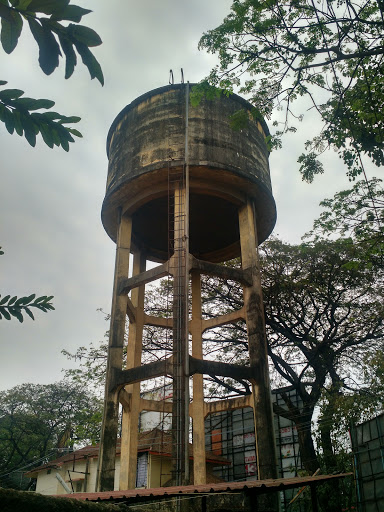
x=30, y=464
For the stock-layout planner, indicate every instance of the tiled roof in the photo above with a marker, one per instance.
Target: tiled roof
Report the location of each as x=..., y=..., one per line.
x=153, y=441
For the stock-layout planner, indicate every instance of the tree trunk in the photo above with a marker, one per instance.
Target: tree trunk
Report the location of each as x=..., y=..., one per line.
x=326, y=444
x=307, y=449
x=329, y=499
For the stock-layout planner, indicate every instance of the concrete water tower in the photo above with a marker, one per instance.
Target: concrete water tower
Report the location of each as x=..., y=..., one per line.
x=187, y=191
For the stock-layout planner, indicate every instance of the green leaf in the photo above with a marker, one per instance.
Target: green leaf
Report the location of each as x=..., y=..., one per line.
x=10, y=94
x=55, y=136
x=90, y=61
x=47, y=6
x=18, y=124
x=16, y=313
x=23, y=5
x=43, y=103
x=49, y=50
x=30, y=298
x=64, y=144
x=239, y=120
x=4, y=300
x=29, y=313
x=29, y=129
x=84, y=35
x=70, y=13
x=11, y=301
x=64, y=133
x=75, y=132
x=21, y=301
x=51, y=116
x=5, y=313
x=39, y=300
x=9, y=120
x=3, y=82
x=10, y=31
x=70, y=55
x=70, y=119
x=32, y=104
x=46, y=133
x=65, y=137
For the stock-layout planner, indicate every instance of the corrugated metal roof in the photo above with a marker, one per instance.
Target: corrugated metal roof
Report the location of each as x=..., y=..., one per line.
x=259, y=486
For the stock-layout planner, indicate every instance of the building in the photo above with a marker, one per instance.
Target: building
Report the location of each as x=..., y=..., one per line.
x=368, y=451
x=77, y=471
x=231, y=434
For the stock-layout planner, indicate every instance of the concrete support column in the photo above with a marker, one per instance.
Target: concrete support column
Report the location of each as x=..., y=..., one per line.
x=180, y=272
x=257, y=344
x=109, y=429
x=131, y=399
x=199, y=464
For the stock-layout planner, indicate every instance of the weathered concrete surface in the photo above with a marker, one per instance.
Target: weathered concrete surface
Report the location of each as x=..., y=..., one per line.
x=147, y=140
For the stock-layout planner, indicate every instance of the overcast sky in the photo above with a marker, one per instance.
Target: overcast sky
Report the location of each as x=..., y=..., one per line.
x=50, y=202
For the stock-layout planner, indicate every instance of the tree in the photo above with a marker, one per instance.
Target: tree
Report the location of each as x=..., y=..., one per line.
x=323, y=312
x=357, y=214
x=328, y=53
x=54, y=40
x=38, y=421
x=344, y=404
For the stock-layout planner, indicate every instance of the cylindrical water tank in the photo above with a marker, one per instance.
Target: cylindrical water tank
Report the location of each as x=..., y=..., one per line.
x=146, y=148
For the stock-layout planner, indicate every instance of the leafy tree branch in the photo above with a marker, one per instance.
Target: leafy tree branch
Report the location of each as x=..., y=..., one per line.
x=15, y=307
x=54, y=40
x=331, y=53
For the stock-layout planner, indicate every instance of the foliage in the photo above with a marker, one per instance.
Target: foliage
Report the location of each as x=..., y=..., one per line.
x=93, y=364
x=15, y=113
x=361, y=400
x=329, y=54
x=14, y=307
x=19, y=113
x=92, y=359
x=324, y=315
x=54, y=40
x=37, y=421
x=357, y=213
x=157, y=341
